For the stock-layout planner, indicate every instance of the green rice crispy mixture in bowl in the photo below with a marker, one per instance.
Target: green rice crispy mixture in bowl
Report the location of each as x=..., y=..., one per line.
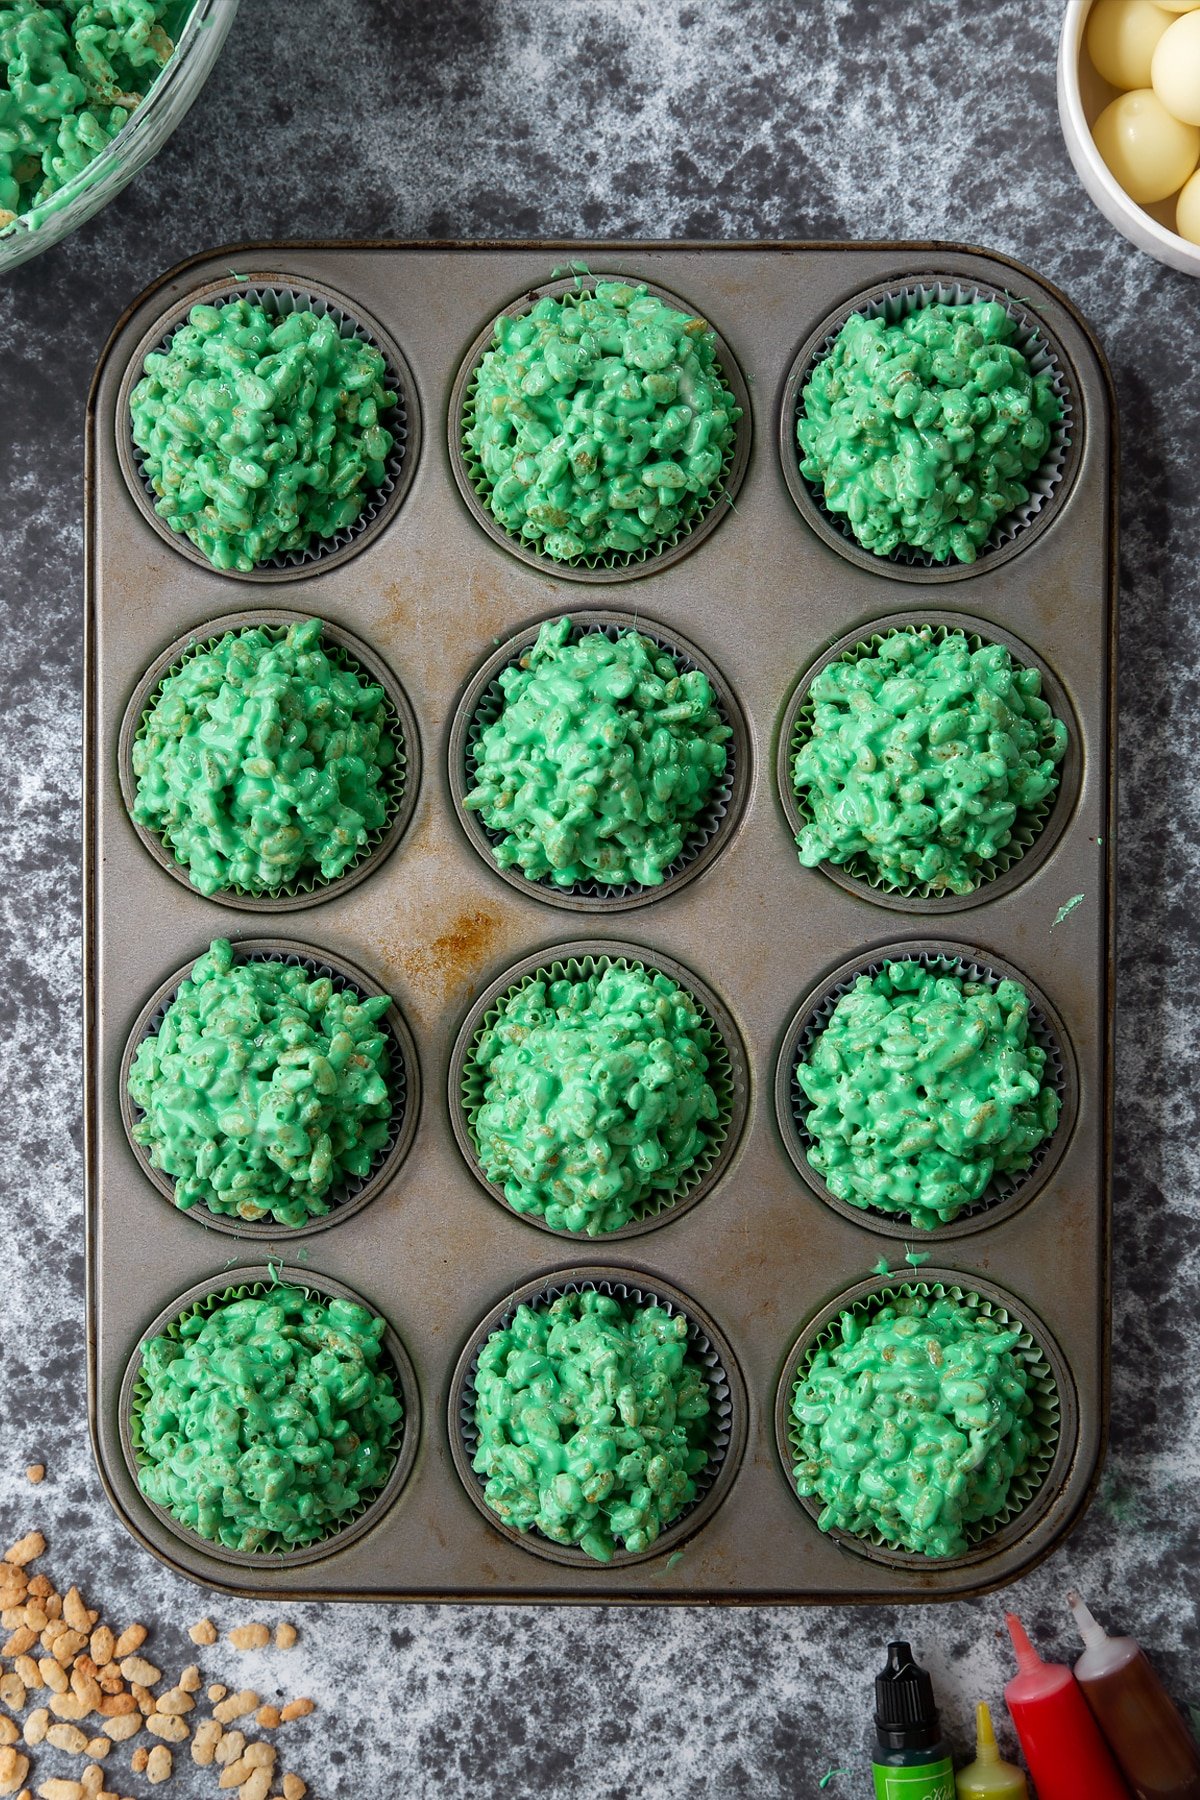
x=260, y=432
x=601, y=762
x=265, y=1089
x=598, y=425
x=922, y=1088
x=924, y=763
x=592, y=1421
x=596, y=1097
x=924, y=434
x=266, y=1422
x=921, y=1423
x=264, y=763
x=71, y=73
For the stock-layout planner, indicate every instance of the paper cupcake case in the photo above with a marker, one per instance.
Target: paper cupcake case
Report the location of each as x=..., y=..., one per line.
x=611, y=565
x=404, y=1079
x=1005, y=1194
x=480, y=707
x=1049, y=485
x=253, y=1281
x=1055, y=1415
x=1036, y=830
x=707, y=1345
x=402, y=779
x=728, y=1077
x=280, y=297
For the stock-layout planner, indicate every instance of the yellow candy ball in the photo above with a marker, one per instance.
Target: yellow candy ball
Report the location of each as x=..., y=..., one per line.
x=1149, y=153
x=1121, y=35
x=1175, y=68
x=1187, y=210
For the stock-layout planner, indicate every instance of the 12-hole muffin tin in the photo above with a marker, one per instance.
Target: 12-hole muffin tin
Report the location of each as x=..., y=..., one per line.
x=759, y=1258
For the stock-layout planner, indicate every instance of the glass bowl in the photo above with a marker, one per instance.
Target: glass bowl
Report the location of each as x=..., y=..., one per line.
x=143, y=136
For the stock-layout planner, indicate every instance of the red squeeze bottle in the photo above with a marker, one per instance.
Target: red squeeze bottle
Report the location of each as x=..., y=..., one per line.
x=1067, y=1756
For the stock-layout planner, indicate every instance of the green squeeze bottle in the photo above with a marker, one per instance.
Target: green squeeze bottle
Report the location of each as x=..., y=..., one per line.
x=912, y=1759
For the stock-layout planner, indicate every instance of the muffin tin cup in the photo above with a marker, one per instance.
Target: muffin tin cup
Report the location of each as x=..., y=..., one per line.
x=710, y=830
x=729, y=1079
x=705, y=1341
x=355, y=1192
x=404, y=778
x=1049, y=484
x=1005, y=1195
x=207, y=1296
x=1035, y=831
x=611, y=565
x=279, y=296
x=1031, y=1495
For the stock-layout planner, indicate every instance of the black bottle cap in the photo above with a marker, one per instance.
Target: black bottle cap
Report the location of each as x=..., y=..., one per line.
x=906, y=1717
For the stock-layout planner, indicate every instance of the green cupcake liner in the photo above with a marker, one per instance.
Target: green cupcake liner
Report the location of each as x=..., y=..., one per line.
x=726, y=1077
x=278, y=301
x=703, y=828
x=278, y=1552
x=727, y=1414
x=1024, y=1489
x=1027, y=826
x=698, y=510
x=403, y=1083
x=1002, y=1187
x=896, y=303
x=395, y=783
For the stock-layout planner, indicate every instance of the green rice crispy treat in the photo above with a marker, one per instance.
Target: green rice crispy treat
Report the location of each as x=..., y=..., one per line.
x=922, y=1087
x=261, y=762
x=603, y=757
x=595, y=1096
x=914, y=1424
x=921, y=756
x=71, y=73
x=593, y=1422
x=925, y=433
x=600, y=421
x=269, y=1420
x=260, y=433
x=263, y=1089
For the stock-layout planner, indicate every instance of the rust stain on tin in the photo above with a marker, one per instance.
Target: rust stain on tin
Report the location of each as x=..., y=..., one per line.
x=455, y=956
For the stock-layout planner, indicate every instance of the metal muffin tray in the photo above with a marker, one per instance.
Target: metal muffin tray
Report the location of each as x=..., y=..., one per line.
x=762, y=592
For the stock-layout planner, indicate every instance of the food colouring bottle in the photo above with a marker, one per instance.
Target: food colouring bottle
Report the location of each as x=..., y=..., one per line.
x=1067, y=1757
x=912, y=1759
x=1145, y=1733
x=989, y=1777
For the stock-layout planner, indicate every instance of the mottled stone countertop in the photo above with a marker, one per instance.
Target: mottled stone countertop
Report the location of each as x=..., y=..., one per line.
x=618, y=118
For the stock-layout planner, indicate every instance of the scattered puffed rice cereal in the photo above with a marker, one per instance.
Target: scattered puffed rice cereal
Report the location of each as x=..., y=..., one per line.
x=25, y=1550
x=285, y=1636
x=204, y=1743
x=36, y=1472
x=158, y=1765
x=14, y=1767
x=250, y=1637
x=297, y=1709
x=204, y=1632
x=237, y=1706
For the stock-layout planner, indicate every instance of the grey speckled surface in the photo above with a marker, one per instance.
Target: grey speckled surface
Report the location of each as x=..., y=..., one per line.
x=854, y=118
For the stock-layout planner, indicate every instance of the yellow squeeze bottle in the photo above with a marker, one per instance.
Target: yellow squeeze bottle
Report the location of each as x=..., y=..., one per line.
x=988, y=1778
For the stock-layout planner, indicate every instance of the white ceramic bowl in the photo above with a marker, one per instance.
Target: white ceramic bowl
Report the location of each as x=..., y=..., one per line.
x=1082, y=96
